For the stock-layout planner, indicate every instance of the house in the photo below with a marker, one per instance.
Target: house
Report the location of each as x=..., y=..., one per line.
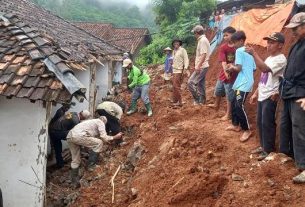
x=131, y=39
x=94, y=61
x=44, y=61
x=34, y=75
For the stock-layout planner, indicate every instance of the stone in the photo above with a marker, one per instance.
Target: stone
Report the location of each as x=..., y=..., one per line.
x=71, y=198
x=236, y=177
x=134, y=193
x=84, y=183
x=246, y=185
x=270, y=182
x=134, y=155
x=210, y=155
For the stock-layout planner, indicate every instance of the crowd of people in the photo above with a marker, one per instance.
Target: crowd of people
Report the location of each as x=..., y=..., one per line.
x=281, y=79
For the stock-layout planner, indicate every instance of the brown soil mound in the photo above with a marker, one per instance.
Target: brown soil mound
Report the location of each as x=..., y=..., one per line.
x=189, y=160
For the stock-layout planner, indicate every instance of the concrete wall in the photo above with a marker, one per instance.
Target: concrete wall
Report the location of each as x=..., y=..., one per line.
x=118, y=73
x=102, y=81
x=23, y=146
x=84, y=78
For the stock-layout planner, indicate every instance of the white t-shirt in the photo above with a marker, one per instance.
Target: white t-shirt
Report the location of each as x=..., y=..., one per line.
x=269, y=82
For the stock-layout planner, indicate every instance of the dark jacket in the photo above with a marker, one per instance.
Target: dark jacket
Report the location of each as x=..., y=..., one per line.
x=62, y=123
x=293, y=85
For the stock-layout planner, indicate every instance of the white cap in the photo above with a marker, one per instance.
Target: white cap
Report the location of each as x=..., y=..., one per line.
x=85, y=114
x=126, y=62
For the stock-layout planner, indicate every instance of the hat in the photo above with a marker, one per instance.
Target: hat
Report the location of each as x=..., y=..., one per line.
x=177, y=40
x=198, y=28
x=85, y=114
x=296, y=20
x=126, y=62
x=167, y=49
x=276, y=36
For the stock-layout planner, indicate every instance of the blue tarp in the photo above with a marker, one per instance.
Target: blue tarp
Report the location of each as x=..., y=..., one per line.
x=225, y=22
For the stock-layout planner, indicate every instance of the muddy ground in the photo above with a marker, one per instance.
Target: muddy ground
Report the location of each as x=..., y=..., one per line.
x=188, y=160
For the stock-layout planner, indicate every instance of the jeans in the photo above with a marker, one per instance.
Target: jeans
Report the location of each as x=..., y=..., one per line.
x=239, y=115
x=56, y=136
x=292, y=136
x=266, y=124
x=224, y=89
x=177, y=80
x=141, y=92
x=196, y=84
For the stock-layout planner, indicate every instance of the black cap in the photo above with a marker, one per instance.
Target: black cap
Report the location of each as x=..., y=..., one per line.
x=276, y=36
x=177, y=40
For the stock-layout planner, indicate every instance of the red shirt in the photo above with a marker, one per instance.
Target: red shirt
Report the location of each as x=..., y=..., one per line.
x=227, y=54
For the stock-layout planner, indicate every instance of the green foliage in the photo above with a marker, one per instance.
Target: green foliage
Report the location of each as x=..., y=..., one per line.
x=121, y=14
x=176, y=18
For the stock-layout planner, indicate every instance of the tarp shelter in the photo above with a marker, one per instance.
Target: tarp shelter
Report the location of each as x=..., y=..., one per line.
x=258, y=23
x=226, y=21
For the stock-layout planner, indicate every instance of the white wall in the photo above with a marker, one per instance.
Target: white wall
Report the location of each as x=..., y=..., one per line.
x=84, y=78
x=23, y=145
x=102, y=79
x=118, y=72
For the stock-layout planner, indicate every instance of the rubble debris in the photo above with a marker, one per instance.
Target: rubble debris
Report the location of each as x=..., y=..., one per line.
x=134, y=156
x=236, y=177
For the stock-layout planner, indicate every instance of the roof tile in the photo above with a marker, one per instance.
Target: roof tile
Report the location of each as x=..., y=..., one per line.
x=12, y=69
x=25, y=92
x=38, y=94
x=24, y=70
x=32, y=82
x=12, y=90
x=19, y=80
x=35, y=54
x=45, y=82
x=7, y=78
x=56, y=85
x=3, y=87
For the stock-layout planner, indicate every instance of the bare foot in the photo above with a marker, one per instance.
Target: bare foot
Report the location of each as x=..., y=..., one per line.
x=225, y=118
x=212, y=106
x=245, y=136
x=233, y=128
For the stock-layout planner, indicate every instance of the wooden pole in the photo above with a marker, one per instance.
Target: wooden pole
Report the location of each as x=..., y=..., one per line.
x=92, y=88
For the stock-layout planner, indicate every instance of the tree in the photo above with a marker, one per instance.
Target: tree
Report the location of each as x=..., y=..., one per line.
x=175, y=18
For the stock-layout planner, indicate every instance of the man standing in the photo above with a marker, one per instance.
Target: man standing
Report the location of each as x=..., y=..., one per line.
x=59, y=127
x=139, y=83
x=196, y=83
x=180, y=65
x=292, y=137
x=90, y=134
x=267, y=92
x=225, y=80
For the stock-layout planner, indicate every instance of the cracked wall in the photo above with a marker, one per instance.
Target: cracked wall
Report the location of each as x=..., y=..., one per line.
x=23, y=135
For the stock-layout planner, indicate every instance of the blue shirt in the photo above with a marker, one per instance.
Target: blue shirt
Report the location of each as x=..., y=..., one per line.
x=168, y=67
x=245, y=78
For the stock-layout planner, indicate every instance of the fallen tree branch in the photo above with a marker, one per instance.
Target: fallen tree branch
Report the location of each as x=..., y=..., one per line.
x=112, y=181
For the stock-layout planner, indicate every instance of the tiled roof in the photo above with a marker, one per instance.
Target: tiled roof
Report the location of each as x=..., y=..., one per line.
x=128, y=38
x=77, y=42
x=32, y=66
